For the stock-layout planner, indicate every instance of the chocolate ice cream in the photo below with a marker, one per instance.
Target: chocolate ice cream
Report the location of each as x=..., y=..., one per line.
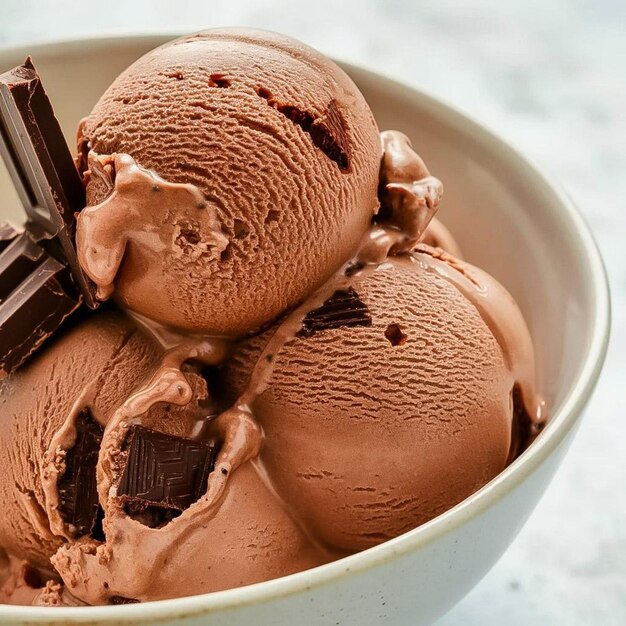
x=105, y=550
x=293, y=363
x=393, y=399
x=283, y=151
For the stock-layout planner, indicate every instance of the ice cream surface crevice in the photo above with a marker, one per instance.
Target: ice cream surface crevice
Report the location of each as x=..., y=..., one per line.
x=219, y=80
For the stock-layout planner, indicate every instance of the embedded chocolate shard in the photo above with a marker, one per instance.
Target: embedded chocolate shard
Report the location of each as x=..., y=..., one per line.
x=329, y=135
x=163, y=474
x=37, y=294
x=343, y=308
x=395, y=336
x=328, y=132
x=122, y=600
x=41, y=164
x=78, y=492
x=353, y=268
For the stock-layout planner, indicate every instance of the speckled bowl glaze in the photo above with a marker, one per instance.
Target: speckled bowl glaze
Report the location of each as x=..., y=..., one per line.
x=509, y=220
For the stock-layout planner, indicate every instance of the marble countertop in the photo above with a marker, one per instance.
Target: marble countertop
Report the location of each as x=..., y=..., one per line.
x=550, y=76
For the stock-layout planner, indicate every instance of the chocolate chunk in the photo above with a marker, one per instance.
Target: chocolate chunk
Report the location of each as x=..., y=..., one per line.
x=78, y=493
x=343, y=308
x=8, y=233
x=395, y=335
x=36, y=295
x=163, y=474
x=18, y=260
x=328, y=133
x=353, y=268
x=122, y=600
x=41, y=164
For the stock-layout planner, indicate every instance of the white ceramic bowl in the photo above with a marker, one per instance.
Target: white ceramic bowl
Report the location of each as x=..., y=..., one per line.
x=509, y=220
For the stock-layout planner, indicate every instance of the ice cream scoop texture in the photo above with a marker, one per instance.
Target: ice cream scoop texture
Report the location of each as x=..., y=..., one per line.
x=286, y=372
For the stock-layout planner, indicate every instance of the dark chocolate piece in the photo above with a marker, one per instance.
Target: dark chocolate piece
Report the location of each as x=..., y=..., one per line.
x=329, y=135
x=163, y=474
x=18, y=260
x=353, y=268
x=8, y=233
x=41, y=164
x=78, y=492
x=343, y=308
x=36, y=295
x=327, y=132
x=395, y=336
x=122, y=600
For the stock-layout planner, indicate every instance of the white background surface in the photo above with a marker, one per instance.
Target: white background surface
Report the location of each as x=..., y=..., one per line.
x=549, y=76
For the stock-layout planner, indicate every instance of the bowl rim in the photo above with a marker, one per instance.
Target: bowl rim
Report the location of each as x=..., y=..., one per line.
x=561, y=422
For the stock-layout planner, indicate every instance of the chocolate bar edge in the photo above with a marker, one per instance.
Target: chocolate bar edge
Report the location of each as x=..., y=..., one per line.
x=25, y=105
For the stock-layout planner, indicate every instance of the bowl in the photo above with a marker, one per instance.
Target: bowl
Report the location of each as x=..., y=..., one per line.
x=511, y=220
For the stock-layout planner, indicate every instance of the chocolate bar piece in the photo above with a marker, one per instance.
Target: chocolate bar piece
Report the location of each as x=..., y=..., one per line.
x=163, y=474
x=343, y=308
x=78, y=493
x=8, y=233
x=41, y=165
x=18, y=260
x=36, y=295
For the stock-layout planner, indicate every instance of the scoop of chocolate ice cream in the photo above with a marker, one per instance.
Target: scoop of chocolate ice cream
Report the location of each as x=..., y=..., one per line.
x=53, y=455
x=392, y=400
x=104, y=353
x=281, y=149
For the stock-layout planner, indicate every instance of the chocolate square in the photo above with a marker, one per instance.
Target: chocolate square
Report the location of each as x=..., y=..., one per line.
x=78, y=492
x=36, y=295
x=163, y=474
